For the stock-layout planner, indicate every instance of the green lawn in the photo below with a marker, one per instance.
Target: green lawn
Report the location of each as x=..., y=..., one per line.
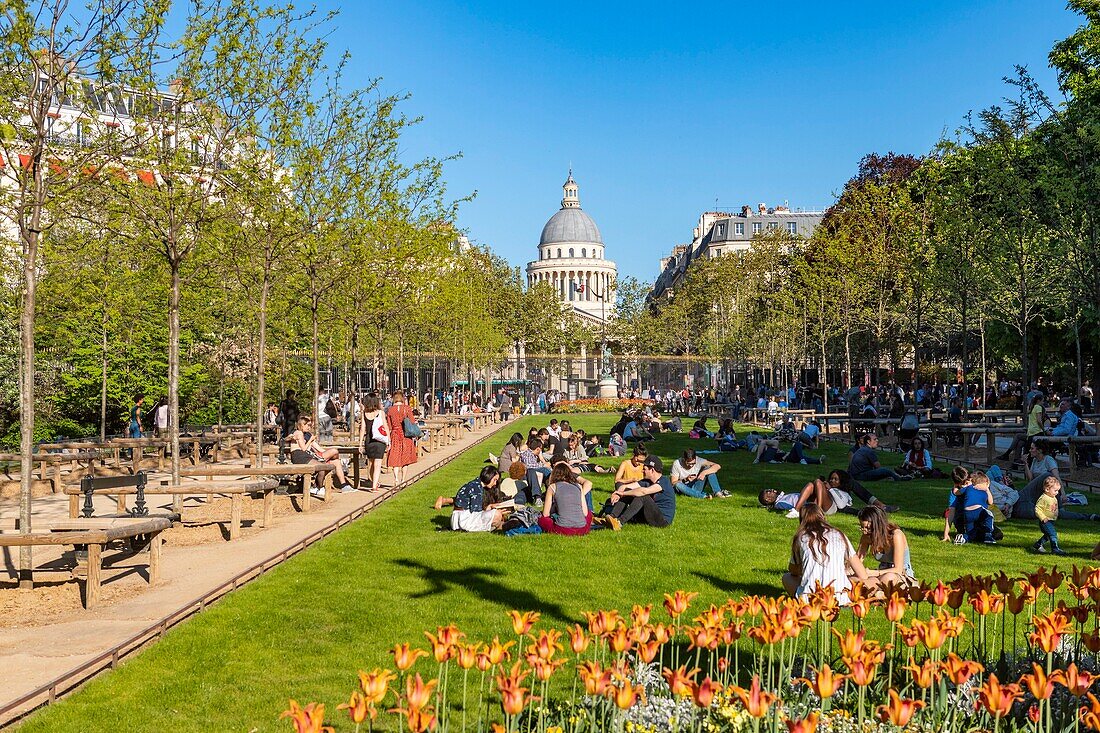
x=304, y=629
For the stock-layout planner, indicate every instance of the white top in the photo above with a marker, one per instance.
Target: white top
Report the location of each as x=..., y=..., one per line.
x=161, y=417
x=680, y=473
x=831, y=569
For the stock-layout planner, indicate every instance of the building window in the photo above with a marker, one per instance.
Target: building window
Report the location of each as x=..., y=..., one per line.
x=559, y=251
x=584, y=252
x=739, y=229
x=719, y=229
x=792, y=227
x=772, y=226
x=570, y=251
x=756, y=227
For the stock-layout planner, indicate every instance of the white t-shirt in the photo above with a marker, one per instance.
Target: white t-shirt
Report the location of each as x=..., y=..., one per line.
x=680, y=473
x=161, y=417
x=831, y=568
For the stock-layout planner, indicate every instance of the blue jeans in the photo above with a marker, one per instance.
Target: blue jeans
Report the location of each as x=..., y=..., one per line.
x=1050, y=532
x=977, y=524
x=877, y=473
x=534, y=483
x=135, y=429
x=695, y=488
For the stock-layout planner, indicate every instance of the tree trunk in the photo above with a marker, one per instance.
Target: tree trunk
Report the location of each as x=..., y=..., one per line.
x=174, y=365
x=26, y=393
x=261, y=365
x=965, y=356
x=314, y=307
x=103, y=378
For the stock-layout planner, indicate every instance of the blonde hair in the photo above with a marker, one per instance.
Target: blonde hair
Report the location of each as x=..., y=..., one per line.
x=1052, y=482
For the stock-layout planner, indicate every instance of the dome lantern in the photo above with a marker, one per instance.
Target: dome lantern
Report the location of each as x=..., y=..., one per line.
x=570, y=200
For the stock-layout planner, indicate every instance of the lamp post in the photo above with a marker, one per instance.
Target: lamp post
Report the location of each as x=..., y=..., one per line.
x=608, y=385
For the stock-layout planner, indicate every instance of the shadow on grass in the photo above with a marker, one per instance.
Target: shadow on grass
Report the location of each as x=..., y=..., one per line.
x=482, y=581
x=734, y=589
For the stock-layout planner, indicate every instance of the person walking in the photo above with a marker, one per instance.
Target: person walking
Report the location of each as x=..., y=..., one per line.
x=289, y=412
x=373, y=438
x=135, y=416
x=402, y=448
x=504, y=404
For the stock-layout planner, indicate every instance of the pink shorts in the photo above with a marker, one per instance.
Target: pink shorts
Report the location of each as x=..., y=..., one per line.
x=547, y=525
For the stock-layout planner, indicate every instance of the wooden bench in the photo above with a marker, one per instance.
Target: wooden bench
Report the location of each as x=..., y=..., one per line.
x=51, y=465
x=301, y=470
x=95, y=535
x=235, y=490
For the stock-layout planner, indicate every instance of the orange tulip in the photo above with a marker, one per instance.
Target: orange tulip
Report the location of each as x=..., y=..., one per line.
x=1091, y=642
x=861, y=608
x=1049, y=630
x=619, y=640
x=578, y=639
x=444, y=642
x=405, y=657
x=602, y=622
x=1077, y=681
x=678, y=602
x=703, y=693
x=680, y=681
x=1016, y=603
x=467, y=655
x=1054, y=580
x=851, y=644
x=626, y=695
x=484, y=664
x=522, y=622
x=647, y=651
x=910, y=635
x=1090, y=715
x=806, y=725
x=546, y=644
x=417, y=692
x=702, y=637
x=937, y=596
x=358, y=708
x=420, y=720
x=1038, y=683
x=898, y=711
x=926, y=675
x=639, y=615
x=513, y=697
x=1033, y=713
x=959, y=670
x=544, y=668
x=375, y=684
x=986, y=603
x=731, y=632
x=932, y=633
x=499, y=652
x=755, y=700
x=825, y=682
x=596, y=679
x=1003, y=582
x=310, y=719
x=996, y=698
x=862, y=672
x=895, y=608
x=766, y=633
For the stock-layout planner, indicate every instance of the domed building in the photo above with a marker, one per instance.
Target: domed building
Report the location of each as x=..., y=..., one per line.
x=571, y=259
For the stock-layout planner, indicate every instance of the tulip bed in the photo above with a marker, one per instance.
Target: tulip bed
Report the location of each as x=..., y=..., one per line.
x=595, y=405
x=304, y=628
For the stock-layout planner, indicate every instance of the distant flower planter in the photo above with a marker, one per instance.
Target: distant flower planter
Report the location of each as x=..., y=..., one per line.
x=597, y=405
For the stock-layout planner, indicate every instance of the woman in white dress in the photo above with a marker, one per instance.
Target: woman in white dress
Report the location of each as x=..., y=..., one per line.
x=821, y=555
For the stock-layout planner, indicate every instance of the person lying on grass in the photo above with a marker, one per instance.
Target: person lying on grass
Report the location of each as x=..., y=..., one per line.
x=968, y=510
x=691, y=474
x=478, y=506
x=768, y=451
x=818, y=491
x=884, y=541
x=821, y=556
x=568, y=507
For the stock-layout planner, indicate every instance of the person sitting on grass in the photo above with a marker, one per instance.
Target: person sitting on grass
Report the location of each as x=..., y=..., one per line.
x=768, y=451
x=516, y=483
x=577, y=458
x=591, y=443
x=568, y=507
x=509, y=454
x=537, y=469
x=830, y=499
x=634, y=431
x=821, y=556
x=1046, y=510
x=865, y=466
x=968, y=510
x=691, y=474
x=305, y=450
x=700, y=428
x=884, y=541
x=630, y=471
x=651, y=501
x=478, y=504
x=918, y=461
x=616, y=446
x=726, y=430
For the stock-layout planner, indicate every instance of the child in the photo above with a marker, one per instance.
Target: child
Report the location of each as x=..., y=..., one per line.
x=1046, y=509
x=969, y=511
x=830, y=499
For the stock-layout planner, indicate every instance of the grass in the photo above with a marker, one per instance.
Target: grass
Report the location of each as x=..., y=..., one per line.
x=304, y=629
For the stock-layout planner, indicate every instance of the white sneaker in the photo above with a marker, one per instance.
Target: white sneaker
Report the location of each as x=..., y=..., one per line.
x=960, y=539
x=803, y=461
x=319, y=492
x=792, y=514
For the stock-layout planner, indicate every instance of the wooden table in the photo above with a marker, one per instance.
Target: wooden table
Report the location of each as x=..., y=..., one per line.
x=95, y=534
x=302, y=470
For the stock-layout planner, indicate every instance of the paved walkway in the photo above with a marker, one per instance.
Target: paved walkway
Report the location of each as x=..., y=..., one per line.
x=33, y=656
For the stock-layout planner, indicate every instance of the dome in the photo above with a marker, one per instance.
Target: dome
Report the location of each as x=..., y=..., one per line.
x=570, y=225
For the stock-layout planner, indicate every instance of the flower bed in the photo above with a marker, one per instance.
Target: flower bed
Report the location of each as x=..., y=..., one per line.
x=958, y=657
x=598, y=405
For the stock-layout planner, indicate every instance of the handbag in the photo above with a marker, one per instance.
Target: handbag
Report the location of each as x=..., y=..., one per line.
x=410, y=428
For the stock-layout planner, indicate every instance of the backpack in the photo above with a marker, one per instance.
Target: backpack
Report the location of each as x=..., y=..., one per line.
x=330, y=408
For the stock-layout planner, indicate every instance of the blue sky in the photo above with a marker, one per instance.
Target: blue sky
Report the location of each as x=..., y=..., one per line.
x=664, y=109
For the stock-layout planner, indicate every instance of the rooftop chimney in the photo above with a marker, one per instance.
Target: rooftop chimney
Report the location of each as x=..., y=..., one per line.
x=762, y=208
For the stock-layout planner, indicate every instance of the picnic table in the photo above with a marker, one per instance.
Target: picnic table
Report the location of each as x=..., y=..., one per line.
x=50, y=465
x=303, y=471
x=236, y=490
x=94, y=535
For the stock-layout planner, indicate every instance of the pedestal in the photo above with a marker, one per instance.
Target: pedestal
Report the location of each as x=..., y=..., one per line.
x=609, y=388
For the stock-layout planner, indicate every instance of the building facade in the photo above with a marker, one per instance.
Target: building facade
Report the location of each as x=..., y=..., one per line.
x=718, y=233
x=572, y=260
